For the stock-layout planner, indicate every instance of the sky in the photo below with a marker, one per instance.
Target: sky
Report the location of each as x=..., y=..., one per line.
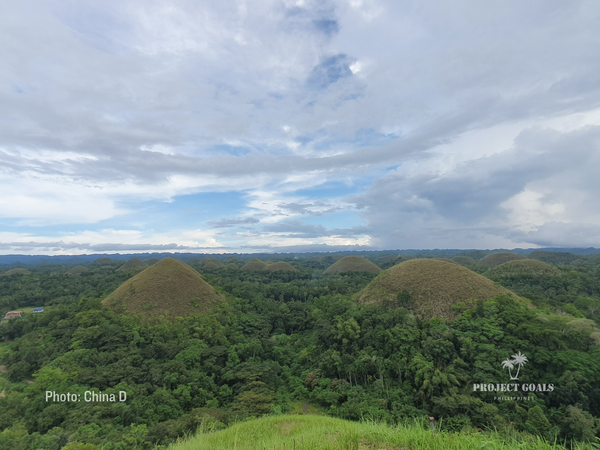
x=298, y=125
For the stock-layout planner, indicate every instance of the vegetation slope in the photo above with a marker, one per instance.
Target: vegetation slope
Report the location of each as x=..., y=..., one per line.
x=353, y=264
x=433, y=286
x=311, y=432
x=169, y=287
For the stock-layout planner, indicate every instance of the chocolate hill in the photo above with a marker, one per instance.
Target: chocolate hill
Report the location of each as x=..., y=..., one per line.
x=352, y=264
x=495, y=259
x=434, y=287
x=280, y=265
x=254, y=264
x=133, y=263
x=17, y=271
x=522, y=268
x=169, y=287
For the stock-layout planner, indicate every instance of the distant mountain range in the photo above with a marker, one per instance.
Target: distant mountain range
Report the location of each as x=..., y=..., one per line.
x=16, y=260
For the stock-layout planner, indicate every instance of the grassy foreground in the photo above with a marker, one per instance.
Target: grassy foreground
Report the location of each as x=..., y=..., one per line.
x=291, y=432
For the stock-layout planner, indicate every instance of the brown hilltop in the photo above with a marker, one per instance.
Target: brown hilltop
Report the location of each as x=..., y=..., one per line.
x=280, y=265
x=133, y=263
x=254, y=264
x=211, y=263
x=17, y=271
x=77, y=270
x=495, y=259
x=169, y=287
x=352, y=264
x=434, y=286
x=522, y=268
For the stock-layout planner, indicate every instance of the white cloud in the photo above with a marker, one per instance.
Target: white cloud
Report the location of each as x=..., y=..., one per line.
x=489, y=112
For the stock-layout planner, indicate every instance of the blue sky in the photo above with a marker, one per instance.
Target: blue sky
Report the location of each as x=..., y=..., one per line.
x=238, y=126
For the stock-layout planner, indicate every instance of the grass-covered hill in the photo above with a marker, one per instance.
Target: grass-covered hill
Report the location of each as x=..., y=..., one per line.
x=254, y=264
x=353, y=264
x=212, y=266
x=554, y=257
x=169, y=287
x=522, y=268
x=77, y=270
x=18, y=271
x=464, y=260
x=310, y=432
x=151, y=261
x=495, y=259
x=133, y=264
x=434, y=287
x=280, y=265
x=105, y=261
x=211, y=263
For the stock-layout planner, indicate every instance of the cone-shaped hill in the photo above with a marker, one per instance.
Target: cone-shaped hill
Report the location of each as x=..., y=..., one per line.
x=434, y=287
x=280, y=265
x=211, y=263
x=133, y=263
x=105, y=261
x=169, y=287
x=522, y=268
x=151, y=261
x=17, y=271
x=352, y=264
x=77, y=270
x=254, y=264
x=495, y=259
x=464, y=260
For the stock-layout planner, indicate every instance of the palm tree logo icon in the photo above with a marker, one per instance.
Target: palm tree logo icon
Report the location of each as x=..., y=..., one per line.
x=517, y=360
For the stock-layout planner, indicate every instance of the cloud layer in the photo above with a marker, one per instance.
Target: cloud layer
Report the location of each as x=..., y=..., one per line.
x=361, y=123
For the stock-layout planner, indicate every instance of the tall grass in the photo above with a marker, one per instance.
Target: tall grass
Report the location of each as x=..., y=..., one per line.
x=294, y=432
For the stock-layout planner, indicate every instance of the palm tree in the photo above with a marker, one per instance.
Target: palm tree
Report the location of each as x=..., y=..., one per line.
x=508, y=363
x=520, y=360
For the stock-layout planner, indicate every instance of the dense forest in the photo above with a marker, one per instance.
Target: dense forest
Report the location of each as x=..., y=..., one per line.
x=296, y=340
